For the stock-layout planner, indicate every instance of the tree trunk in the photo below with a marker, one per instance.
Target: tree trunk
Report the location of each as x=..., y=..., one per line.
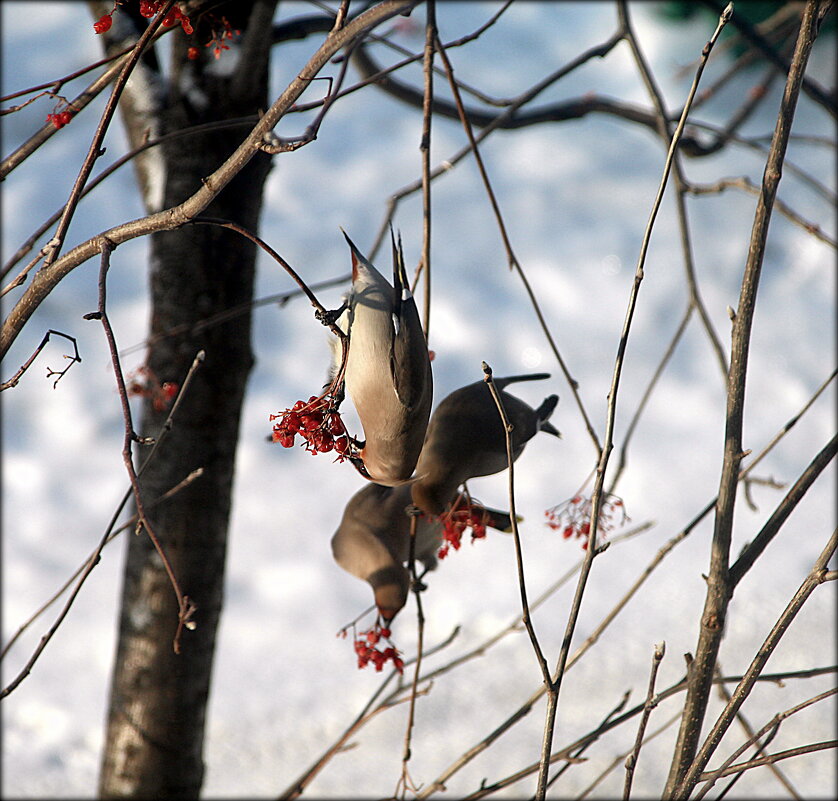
x=157, y=709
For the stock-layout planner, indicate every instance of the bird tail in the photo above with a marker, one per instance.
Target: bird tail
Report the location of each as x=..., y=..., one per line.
x=544, y=411
x=500, y=521
x=504, y=382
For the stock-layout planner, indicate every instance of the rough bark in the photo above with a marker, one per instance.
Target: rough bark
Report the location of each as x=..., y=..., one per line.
x=157, y=710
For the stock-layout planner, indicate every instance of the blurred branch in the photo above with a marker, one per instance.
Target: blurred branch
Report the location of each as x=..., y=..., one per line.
x=596, y=496
x=572, y=755
x=512, y=259
x=778, y=755
x=752, y=738
x=611, y=723
x=27, y=246
x=110, y=534
x=746, y=185
x=680, y=187
x=750, y=34
x=620, y=758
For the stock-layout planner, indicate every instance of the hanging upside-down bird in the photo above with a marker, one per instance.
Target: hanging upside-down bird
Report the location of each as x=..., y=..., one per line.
x=465, y=439
x=388, y=369
x=373, y=541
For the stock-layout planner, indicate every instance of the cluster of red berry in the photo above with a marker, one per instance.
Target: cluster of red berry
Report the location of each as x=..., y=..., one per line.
x=456, y=521
x=573, y=517
x=144, y=383
x=60, y=118
x=148, y=8
x=318, y=423
x=365, y=648
x=223, y=30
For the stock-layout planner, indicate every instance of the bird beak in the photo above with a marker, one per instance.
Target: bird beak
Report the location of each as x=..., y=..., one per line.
x=360, y=467
x=357, y=258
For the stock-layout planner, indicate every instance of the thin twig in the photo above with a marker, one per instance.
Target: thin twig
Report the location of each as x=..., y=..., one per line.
x=519, y=557
x=13, y=381
x=320, y=309
x=370, y=710
x=621, y=758
x=405, y=782
x=425, y=150
x=751, y=552
x=186, y=608
x=94, y=151
x=27, y=246
x=572, y=755
x=48, y=130
x=650, y=703
x=771, y=728
x=778, y=755
x=647, y=394
x=596, y=496
x=680, y=184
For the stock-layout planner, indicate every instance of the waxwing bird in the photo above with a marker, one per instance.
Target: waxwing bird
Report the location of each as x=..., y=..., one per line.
x=373, y=542
x=388, y=369
x=465, y=439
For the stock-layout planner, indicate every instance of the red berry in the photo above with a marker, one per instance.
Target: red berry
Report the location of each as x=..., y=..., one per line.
x=284, y=438
x=312, y=420
x=341, y=445
x=193, y=52
x=148, y=9
x=103, y=24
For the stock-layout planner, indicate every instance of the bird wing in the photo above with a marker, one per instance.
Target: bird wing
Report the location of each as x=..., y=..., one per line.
x=409, y=363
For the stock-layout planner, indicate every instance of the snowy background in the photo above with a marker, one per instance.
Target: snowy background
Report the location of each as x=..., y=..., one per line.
x=576, y=197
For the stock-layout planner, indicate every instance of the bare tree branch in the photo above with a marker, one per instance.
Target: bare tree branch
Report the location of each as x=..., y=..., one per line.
x=49, y=276
x=718, y=583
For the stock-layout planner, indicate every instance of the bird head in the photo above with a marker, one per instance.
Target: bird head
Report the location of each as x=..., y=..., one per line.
x=390, y=599
x=428, y=498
